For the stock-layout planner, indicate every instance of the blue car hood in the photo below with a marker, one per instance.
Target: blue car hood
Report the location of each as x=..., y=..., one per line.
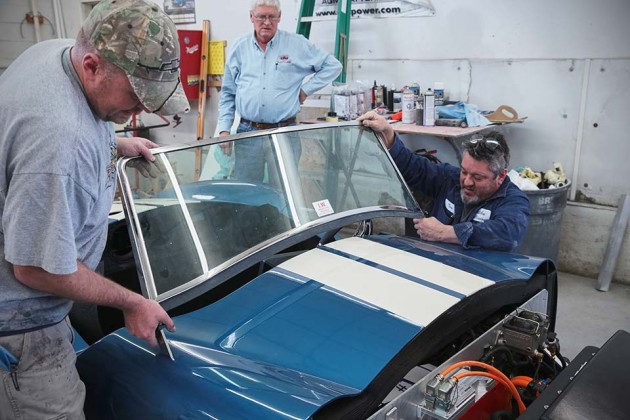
x=316, y=328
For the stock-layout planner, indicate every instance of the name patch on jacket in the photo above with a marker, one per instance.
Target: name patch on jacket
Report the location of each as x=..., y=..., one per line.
x=482, y=215
x=449, y=206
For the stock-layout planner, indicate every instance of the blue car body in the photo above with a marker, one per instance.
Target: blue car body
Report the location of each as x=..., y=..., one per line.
x=282, y=346
x=313, y=324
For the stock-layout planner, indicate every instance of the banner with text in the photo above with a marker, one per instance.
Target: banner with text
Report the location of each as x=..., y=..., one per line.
x=377, y=8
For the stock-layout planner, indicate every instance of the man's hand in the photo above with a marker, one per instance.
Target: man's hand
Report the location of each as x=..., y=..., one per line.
x=135, y=146
x=303, y=96
x=431, y=229
x=143, y=319
x=380, y=125
x=227, y=146
x=148, y=169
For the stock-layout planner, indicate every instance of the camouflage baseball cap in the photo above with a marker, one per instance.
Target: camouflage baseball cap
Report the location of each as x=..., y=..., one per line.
x=141, y=39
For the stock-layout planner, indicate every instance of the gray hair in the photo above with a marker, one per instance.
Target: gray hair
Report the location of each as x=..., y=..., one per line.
x=270, y=3
x=83, y=46
x=498, y=159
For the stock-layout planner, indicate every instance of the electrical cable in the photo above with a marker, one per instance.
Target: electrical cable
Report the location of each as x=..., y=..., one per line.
x=30, y=14
x=521, y=381
x=526, y=382
x=460, y=375
x=468, y=363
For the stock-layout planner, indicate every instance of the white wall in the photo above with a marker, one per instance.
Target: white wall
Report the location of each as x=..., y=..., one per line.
x=541, y=58
x=564, y=64
x=15, y=34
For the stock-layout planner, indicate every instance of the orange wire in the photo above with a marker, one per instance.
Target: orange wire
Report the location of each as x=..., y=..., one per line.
x=523, y=382
x=509, y=384
x=518, y=378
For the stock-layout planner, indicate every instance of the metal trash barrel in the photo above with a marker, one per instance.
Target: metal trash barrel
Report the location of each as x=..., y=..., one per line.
x=543, y=233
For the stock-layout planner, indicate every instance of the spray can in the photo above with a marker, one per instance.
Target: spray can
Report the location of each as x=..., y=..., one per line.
x=408, y=107
x=397, y=101
x=374, y=95
x=380, y=100
x=419, y=112
x=428, y=118
x=415, y=88
x=438, y=90
x=384, y=95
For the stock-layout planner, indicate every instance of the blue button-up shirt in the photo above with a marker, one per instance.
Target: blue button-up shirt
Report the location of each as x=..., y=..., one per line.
x=264, y=86
x=498, y=223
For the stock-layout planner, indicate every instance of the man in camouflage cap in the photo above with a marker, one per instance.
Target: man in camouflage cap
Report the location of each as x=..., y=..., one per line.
x=141, y=39
x=58, y=150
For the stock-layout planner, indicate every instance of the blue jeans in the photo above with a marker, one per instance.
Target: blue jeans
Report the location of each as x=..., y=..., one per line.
x=251, y=155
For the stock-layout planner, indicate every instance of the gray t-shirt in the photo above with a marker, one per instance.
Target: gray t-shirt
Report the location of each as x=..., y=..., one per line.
x=57, y=180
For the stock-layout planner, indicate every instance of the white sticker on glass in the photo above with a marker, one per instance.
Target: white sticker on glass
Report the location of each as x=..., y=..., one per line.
x=323, y=208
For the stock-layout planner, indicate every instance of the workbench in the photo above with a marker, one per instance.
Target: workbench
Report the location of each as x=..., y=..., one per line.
x=452, y=135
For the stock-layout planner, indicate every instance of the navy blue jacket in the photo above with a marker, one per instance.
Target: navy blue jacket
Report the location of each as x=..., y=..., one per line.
x=498, y=223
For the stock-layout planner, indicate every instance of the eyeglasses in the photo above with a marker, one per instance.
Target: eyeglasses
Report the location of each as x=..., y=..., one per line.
x=262, y=18
x=477, y=140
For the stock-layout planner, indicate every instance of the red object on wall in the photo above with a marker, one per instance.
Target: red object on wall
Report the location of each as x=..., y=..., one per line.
x=190, y=52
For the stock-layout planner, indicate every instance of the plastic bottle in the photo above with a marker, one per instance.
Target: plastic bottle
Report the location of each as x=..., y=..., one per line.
x=408, y=107
x=428, y=118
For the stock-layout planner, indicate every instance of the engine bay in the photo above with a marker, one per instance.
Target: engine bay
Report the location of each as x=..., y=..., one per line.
x=516, y=370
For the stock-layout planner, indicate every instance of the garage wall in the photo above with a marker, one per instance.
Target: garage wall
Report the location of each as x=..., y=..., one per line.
x=564, y=64
x=16, y=34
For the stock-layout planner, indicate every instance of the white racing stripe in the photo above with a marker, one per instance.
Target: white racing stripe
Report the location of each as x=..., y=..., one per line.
x=414, y=265
x=429, y=289
x=415, y=302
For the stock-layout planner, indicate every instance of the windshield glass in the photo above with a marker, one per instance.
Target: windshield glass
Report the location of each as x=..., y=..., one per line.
x=196, y=209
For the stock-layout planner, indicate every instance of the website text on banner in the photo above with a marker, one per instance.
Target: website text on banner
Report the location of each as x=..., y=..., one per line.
x=377, y=8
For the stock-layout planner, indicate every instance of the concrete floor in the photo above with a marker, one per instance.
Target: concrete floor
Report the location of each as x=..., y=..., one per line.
x=588, y=317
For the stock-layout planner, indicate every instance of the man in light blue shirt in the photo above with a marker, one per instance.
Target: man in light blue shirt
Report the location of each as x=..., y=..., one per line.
x=264, y=82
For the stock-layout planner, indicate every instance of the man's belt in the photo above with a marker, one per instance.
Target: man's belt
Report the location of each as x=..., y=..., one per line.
x=28, y=330
x=266, y=126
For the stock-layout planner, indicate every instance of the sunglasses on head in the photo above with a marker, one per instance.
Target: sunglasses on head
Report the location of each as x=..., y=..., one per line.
x=477, y=140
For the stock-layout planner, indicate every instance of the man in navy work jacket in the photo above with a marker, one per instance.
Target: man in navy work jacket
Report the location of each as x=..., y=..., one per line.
x=476, y=206
x=264, y=83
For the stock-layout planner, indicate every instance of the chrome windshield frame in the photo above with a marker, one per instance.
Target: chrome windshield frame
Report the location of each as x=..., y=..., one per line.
x=212, y=277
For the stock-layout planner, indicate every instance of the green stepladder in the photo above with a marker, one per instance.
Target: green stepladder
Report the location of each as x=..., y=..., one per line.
x=342, y=35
